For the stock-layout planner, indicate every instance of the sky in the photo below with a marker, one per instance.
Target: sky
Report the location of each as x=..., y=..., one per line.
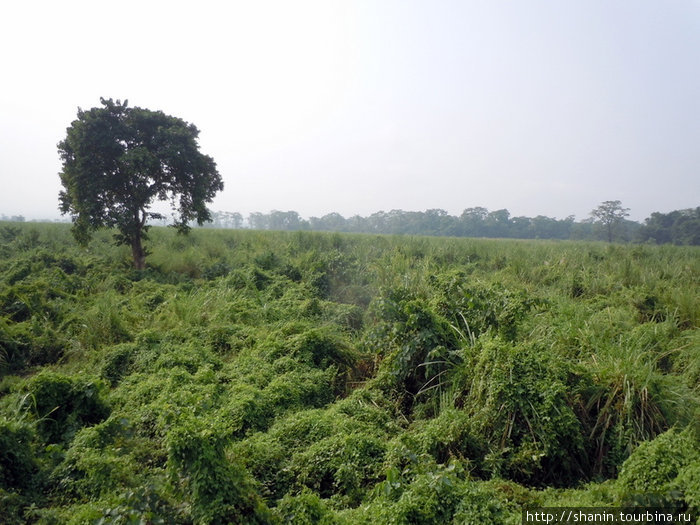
x=542, y=107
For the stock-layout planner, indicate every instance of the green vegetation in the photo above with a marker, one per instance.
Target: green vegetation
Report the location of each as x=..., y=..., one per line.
x=117, y=160
x=610, y=215
x=318, y=378
x=676, y=227
x=607, y=222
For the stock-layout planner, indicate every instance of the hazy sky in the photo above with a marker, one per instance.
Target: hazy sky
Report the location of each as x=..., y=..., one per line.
x=541, y=107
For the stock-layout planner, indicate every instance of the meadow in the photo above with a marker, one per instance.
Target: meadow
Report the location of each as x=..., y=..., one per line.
x=320, y=378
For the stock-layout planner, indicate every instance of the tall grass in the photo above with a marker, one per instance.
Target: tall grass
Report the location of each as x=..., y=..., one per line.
x=348, y=375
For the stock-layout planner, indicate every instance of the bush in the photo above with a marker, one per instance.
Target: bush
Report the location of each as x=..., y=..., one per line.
x=342, y=464
x=117, y=362
x=317, y=347
x=447, y=437
x=628, y=402
x=431, y=497
x=17, y=463
x=220, y=489
x=306, y=508
x=95, y=465
x=63, y=404
x=663, y=472
x=265, y=457
x=415, y=344
x=145, y=504
x=481, y=308
x=518, y=397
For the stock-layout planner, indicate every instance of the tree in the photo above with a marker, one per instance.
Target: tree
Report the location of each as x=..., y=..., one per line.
x=472, y=221
x=330, y=222
x=609, y=214
x=677, y=227
x=118, y=160
x=285, y=220
x=498, y=223
x=259, y=221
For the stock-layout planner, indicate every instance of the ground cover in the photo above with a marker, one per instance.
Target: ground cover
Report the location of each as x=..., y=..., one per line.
x=301, y=377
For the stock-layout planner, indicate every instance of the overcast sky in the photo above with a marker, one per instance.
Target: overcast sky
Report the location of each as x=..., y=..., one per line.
x=541, y=107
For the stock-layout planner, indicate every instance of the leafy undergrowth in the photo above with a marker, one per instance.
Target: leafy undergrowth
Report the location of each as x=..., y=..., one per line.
x=309, y=378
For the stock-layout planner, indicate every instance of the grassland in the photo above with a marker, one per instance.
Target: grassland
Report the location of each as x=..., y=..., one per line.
x=309, y=378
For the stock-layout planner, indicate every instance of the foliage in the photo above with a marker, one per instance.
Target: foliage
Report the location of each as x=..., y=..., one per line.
x=18, y=464
x=676, y=227
x=62, y=404
x=609, y=215
x=303, y=377
x=519, y=398
x=221, y=490
x=664, y=472
x=474, y=309
x=416, y=342
x=117, y=160
x=306, y=508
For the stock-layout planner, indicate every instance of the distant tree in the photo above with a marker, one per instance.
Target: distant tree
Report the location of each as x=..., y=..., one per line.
x=521, y=227
x=357, y=223
x=686, y=230
x=235, y=220
x=329, y=222
x=549, y=228
x=285, y=220
x=377, y=222
x=259, y=221
x=609, y=215
x=117, y=160
x=437, y=222
x=226, y=219
x=13, y=218
x=498, y=223
x=677, y=227
x=472, y=221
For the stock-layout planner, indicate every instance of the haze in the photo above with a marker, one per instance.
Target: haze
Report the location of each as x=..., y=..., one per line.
x=543, y=108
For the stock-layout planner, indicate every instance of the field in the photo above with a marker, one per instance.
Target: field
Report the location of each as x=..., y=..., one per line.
x=313, y=378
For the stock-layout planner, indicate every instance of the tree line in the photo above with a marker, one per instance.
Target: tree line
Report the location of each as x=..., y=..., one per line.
x=680, y=227
x=607, y=222
x=117, y=161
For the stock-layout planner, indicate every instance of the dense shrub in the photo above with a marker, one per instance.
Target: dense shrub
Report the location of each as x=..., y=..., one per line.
x=476, y=308
x=664, y=472
x=306, y=508
x=413, y=342
x=63, y=404
x=117, y=362
x=518, y=396
x=342, y=464
x=449, y=436
x=100, y=460
x=430, y=497
x=629, y=401
x=18, y=465
x=220, y=489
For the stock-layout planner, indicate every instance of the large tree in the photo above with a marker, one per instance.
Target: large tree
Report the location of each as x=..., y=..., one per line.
x=609, y=215
x=118, y=160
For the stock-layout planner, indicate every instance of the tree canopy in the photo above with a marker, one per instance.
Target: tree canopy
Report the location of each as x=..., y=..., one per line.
x=677, y=227
x=118, y=160
x=609, y=214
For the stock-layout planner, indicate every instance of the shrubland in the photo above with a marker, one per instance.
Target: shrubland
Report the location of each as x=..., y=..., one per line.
x=317, y=378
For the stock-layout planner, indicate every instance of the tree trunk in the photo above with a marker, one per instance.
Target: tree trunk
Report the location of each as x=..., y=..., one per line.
x=138, y=252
